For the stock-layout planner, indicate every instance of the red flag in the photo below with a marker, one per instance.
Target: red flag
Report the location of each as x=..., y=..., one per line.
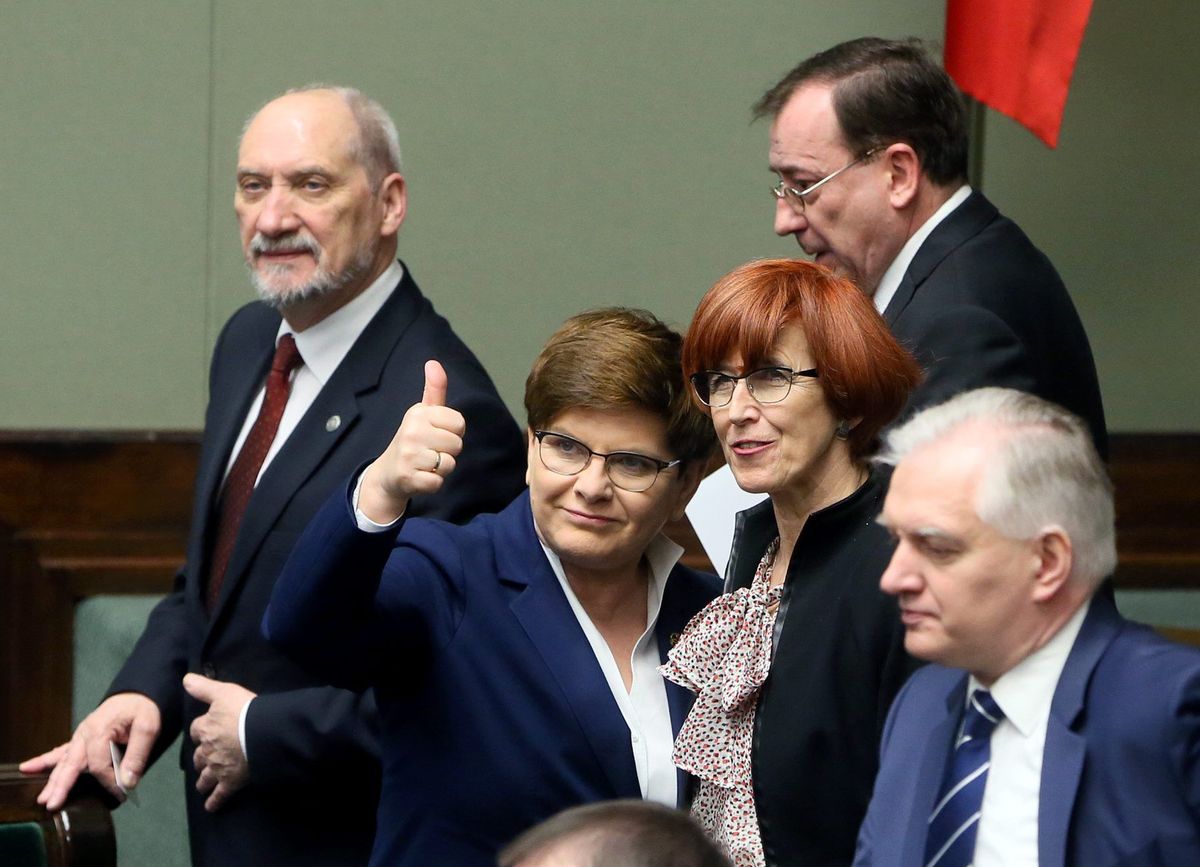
x=1017, y=56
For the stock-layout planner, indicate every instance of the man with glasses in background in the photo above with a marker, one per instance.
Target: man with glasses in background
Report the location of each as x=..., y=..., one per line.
x=869, y=143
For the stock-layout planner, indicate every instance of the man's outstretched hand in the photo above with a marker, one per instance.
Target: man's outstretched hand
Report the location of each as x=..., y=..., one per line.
x=128, y=718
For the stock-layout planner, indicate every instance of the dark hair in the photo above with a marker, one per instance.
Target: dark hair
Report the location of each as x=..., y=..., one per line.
x=864, y=372
x=886, y=91
x=627, y=833
x=613, y=358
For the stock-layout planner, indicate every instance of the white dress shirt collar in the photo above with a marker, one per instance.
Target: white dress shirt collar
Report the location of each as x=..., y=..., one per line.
x=1007, y=835
x=895, y=272
x=1025, y=691
x=324, y=345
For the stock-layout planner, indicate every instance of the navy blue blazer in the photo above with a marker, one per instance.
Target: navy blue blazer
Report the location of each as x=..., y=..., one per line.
x=304, y=739
x=495, y=712
x=1121, y=768
x=981, y=305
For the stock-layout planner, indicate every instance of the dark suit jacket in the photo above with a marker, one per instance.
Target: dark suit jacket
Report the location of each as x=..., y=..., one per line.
x=1121, y=768
x=312, y=750
x=838, y=661
x=980, y=305
x=495, y=712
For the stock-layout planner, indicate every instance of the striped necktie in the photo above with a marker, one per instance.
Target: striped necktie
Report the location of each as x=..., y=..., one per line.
x=955, y=816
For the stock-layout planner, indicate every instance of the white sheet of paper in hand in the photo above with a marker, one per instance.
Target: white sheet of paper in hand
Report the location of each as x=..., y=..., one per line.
x=711, y=511
x=118, y=753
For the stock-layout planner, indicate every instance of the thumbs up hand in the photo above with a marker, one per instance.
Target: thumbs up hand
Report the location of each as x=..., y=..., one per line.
x=420, y=455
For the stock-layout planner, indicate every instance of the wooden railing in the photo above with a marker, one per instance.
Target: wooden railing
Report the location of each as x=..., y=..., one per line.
x=78, y=835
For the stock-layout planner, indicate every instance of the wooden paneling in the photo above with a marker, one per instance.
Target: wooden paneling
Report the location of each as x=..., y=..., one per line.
x=1157, y=480
x=88, y=513
x=80, y=514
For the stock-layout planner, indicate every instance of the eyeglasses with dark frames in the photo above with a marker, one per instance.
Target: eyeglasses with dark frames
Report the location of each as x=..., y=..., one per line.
x=766, y=385
x=629, y=471
x=795, y=197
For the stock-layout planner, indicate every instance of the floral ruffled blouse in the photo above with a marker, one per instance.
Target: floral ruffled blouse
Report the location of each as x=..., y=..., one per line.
x=724, y=656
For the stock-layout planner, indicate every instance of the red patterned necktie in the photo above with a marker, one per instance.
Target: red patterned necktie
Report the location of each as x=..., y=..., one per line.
x=239, y=484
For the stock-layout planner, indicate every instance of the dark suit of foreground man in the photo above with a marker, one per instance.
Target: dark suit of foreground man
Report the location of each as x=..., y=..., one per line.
x=292, y=777
x=1080, y=742
x=869, y=141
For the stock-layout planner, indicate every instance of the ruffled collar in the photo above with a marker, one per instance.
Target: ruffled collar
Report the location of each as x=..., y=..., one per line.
x=724, y=656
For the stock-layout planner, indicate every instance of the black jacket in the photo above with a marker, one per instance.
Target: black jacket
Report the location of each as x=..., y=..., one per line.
x=838, y=662
x=981, y=305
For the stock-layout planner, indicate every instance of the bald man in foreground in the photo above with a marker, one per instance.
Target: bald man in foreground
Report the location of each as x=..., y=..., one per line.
x=306, y=384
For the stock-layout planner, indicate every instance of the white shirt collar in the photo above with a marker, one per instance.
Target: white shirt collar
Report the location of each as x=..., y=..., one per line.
x=895, y=272
x=1025, y=691
x=324, y=345
x=661, y=554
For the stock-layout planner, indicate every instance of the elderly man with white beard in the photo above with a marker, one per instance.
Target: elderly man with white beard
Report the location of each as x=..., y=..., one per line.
x=305, y=384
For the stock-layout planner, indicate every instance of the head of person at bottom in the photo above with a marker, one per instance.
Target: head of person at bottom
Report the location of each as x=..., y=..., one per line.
x=799, y=374
x=626, y=833
x=1003, y=516
x=616, y=448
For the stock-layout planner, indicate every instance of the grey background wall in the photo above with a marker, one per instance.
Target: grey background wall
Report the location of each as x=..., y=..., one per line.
x=561, y=154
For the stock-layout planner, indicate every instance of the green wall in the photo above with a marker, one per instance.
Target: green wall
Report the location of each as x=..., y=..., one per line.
x=560, y=155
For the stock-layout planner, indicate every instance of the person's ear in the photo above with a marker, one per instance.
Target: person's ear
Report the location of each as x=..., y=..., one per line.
x=393, y=193
x=1054, y=557
x=904, y=174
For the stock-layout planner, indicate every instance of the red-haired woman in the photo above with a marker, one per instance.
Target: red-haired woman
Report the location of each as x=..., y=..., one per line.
x=795, y=667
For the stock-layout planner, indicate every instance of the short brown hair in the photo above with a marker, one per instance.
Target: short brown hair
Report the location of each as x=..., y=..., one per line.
x=864, y=372
x=614, y=358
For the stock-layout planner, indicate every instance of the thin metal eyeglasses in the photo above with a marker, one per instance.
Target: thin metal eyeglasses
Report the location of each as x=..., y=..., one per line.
x=629, y=471
x=766, y=385
x=795, y=197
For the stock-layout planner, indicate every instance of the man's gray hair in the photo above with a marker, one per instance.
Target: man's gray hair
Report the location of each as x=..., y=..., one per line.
x=377, y=148
x=1044, y=472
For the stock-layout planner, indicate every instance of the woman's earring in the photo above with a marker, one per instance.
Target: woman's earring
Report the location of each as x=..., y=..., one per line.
x=843, y=430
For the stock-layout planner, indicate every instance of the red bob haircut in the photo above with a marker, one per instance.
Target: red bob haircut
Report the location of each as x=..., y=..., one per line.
x=864, y=373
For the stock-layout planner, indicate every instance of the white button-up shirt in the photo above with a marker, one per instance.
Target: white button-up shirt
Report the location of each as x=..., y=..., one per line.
x=1008, y=820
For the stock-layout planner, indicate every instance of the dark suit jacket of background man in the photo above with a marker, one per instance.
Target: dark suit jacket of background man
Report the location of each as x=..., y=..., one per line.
x=312, y=750
x=1120, y=778
x=980, y=305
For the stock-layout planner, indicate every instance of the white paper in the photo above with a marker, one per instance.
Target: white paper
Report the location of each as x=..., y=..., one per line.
x=118, y=755
x=712, y=510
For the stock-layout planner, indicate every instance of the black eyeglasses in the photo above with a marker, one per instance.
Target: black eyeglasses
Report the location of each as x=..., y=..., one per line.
x=629, y=471
x=766, y=385
x=795, y=197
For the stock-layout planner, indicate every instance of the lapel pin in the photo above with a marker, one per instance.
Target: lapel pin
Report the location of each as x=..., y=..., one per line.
x=333, y=423
x=673, y=638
